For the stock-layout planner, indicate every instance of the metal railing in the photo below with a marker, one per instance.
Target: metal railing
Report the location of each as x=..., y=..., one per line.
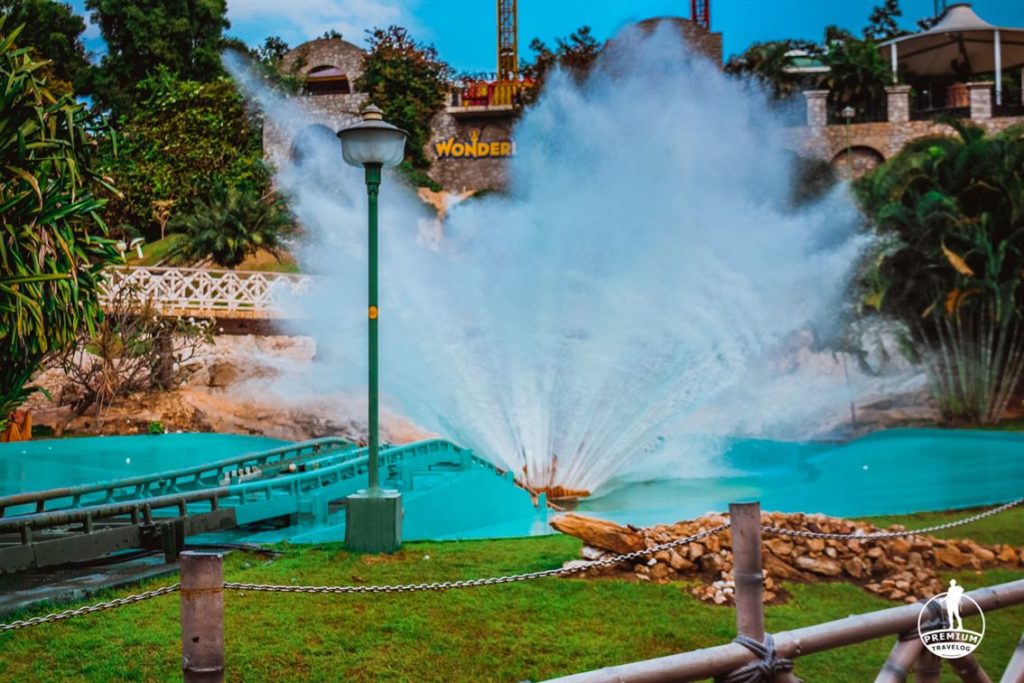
x=184, y=479
x=198, y=289
x=158, y=511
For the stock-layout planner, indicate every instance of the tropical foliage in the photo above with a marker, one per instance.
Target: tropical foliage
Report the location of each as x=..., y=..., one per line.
x=231, y=224
x=52, y=240
x=180, y=141
x=54, y=33
x=576, y=54
x=950, y=215
x=408, y=81
x=142, y=36
x=769, y=63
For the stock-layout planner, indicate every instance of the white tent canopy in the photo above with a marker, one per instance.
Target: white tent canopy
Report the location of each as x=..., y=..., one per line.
x=960, y=41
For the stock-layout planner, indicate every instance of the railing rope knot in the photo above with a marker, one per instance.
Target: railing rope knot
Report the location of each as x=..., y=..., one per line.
x=761, y=670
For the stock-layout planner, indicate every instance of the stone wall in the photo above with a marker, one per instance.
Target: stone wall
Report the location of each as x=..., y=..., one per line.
x=453, y=150
x=334, y=52
x=870, y=143
x=696, y=37
x=334, y=111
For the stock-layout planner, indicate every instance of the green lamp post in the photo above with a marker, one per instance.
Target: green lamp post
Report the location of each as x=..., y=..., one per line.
x=373, y=516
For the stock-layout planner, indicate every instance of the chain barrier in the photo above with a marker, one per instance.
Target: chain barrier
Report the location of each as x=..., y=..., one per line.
x=574, y=568
x=90, y=609
x=474, y=583
x=780, y=531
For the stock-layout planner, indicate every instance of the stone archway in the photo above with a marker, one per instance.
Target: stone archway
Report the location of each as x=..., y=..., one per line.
x=315, y=144
x=861, y=158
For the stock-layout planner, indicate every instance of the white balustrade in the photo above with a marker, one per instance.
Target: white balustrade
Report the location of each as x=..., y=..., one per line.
x=181, y=290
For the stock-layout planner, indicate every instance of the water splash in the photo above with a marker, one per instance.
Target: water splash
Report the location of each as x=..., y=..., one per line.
x=643, y=269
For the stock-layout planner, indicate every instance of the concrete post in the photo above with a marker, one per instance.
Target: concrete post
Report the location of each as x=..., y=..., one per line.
x=817, y=108
x=981, y=99
x=745, y=519
x=202, y=617
x=897, y=103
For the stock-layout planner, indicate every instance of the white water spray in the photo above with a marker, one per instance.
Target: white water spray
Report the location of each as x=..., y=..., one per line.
x=643, y=268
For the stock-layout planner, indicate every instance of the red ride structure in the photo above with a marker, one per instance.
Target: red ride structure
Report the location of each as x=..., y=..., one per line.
x=700, y=13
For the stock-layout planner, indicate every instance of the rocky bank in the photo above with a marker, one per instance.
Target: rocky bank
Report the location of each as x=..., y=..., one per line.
x=903, y=569
x=231, y=386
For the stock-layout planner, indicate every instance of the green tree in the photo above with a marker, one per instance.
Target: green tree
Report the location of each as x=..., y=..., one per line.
x=52, y=240
x=575, y=54
x=185, y=38
x=950, y=213
x=54, y=32
x=271, y=51
x=177, y=142
x=408, y=81
x=231, y=224
x=857, y=73
x=882, y=22
x=769, y=62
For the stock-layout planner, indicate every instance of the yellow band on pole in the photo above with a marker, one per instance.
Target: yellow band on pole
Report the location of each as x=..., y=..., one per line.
x=373, y=312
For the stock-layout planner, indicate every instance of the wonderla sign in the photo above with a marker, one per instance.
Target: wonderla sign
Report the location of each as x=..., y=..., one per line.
x=474, y=148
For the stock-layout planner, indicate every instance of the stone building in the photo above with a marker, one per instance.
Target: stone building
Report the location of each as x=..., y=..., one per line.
x=469, y=146
x=330, y=68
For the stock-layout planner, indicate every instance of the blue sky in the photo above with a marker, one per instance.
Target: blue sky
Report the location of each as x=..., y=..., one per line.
x=464, y=30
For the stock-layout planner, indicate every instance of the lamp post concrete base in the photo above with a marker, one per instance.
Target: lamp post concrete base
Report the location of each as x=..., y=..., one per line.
x=373, y=521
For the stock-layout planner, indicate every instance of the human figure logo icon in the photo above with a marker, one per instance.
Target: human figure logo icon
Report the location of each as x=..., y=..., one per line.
x=941, y=626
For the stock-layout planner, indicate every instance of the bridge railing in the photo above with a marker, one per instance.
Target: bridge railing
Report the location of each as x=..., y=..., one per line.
x=172, y=481
x=185, y=289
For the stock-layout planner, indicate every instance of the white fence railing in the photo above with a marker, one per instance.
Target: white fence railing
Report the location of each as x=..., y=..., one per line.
x=197, y=289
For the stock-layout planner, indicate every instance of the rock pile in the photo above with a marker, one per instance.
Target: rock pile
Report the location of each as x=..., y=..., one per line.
x=903, y=569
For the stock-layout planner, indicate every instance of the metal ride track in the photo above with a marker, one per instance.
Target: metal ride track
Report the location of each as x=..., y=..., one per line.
x=157, y=511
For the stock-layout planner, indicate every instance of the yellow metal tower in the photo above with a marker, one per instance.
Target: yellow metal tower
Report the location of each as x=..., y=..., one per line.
x=508, y=41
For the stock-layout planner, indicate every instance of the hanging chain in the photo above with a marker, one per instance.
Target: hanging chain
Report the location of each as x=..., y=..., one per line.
x=780, y=531
x=492, y=581
x=90, y=609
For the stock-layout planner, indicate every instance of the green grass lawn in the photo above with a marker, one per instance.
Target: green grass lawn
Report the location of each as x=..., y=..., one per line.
x=154, y=252
x=526, y=631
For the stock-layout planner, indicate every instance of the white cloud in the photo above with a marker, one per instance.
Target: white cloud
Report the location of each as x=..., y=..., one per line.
x=306, y=19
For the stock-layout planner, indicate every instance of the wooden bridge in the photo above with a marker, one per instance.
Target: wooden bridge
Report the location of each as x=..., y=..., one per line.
x=224, y=295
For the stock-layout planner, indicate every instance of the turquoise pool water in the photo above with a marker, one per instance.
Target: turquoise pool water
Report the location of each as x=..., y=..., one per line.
x=52, y=463
x=889, y=472
x=895, y=471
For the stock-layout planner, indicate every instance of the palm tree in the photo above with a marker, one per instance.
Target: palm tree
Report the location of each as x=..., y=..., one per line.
x=229, y=225
x=950, y=215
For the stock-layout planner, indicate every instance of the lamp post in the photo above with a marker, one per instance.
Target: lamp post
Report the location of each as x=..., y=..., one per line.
x=374, y=515
x=848, y=113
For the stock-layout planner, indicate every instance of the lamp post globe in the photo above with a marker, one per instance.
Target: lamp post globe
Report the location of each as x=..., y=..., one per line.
x=373, y=516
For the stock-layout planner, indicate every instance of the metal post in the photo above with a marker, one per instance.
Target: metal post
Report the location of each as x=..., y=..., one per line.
x=1015, y=669
x=202, y=617
x=745, y=519
x=928, y=668
x=903, y=655
x=373, y=518
x=999, y=68
x=969, y=670
x=849, y=151
x=373, y=190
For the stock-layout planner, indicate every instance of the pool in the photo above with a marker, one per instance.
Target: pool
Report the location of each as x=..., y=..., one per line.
x=888, y=472
x=37, y=465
